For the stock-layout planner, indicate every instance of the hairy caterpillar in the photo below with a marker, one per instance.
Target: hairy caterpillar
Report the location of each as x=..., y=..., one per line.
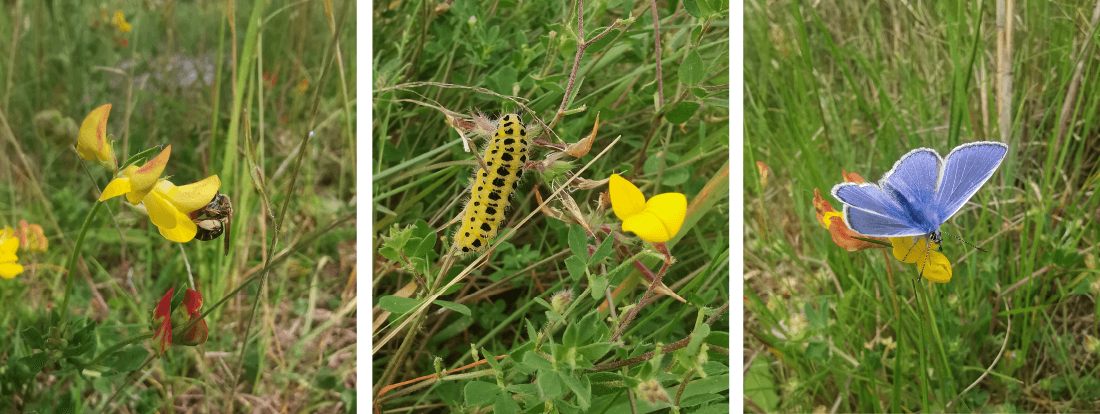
x=493, y=189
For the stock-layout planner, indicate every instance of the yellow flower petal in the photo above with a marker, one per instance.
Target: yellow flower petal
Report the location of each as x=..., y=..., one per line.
x=670, y=208
x=10, y=270
x=918, y=250
x=115, y=188
x=939, y=270
x=173, y=223
x=197, y=195
x=161, y=211
x=8, y=247
x=184, y=231
x=626, y=199
x=146, y=177
x=92, y=143
x=647, y=226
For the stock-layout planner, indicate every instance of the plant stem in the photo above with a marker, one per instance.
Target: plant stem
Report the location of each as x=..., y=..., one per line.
x=72, y=258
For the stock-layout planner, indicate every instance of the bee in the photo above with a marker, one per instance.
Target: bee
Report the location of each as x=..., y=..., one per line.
x=214, y=219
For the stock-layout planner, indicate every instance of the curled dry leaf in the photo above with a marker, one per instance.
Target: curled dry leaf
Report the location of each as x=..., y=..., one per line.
x=581, y=148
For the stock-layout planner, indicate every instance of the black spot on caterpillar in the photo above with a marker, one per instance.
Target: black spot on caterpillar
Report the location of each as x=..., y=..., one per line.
x=493, y=190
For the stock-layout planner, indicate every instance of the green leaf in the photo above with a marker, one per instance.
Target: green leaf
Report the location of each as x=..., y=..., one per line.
x=394, y=243
x=34, y=364
x=550, y=385
x=682, y=112
x=504, y=404
x=594, y=351
x=422, y=242
x=817, y=351
x=760, y=386
x=578, y=241
x=397, y=304
x=691, y=71
x=582, y=388
x=599, y=286
x=697, y=338
x=128, y=359
x=34, y=338
x=818, y=318
x=537, y=361
x=602, y=251
x=479, y=393
x=576, y=267
x=457, y=307
x=692, y=8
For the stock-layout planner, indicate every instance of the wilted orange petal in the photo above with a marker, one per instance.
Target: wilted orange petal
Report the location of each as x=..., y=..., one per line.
x=763, y=173
x=852, y=177
x=821, y=207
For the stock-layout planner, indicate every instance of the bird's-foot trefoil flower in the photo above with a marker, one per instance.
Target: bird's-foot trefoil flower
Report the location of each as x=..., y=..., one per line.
x=657, y=220
x=163, y=319
x=168, y=205
x=9, y=244
x=32, y=237
x=92, y=143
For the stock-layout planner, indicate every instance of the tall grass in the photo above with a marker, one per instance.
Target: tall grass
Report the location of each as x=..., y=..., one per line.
x=850, y=86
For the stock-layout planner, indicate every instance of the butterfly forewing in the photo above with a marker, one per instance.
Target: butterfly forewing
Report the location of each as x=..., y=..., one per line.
x=966, y=169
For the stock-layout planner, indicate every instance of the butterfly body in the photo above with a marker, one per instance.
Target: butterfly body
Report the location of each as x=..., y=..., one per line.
x=921, y=191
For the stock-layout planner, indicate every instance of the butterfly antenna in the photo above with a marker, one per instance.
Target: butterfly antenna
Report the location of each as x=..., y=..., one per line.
x=964, y=241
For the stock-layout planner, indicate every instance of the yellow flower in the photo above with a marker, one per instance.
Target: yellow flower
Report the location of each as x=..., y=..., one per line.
x=657, y=220
x=92, y=143
x=933, y=265
x=169, y=206
x=120, y=22
x=136, y=181
x=8, y=245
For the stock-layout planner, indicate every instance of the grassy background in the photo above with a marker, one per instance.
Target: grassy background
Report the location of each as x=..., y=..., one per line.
x=851, y=86
x=172, y=80
x=425, y=64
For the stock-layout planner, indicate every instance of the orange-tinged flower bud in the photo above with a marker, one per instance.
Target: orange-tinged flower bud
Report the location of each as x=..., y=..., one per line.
x=92, y=143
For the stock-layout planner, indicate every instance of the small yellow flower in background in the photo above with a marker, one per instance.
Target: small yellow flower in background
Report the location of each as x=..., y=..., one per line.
x=136, y=181
x=92, y=143
x=169, y=206
x=32, y=237
x=933, y=265
x=303, y=86
x=657, y=220
x=120, y=22
x=9, y=244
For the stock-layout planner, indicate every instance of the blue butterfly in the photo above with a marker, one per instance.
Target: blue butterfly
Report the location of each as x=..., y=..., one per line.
x=921, y=192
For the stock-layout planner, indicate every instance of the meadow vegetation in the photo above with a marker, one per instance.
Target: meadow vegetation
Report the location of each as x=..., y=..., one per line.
x=603, y=88
x=845, y=87
x=260, y=95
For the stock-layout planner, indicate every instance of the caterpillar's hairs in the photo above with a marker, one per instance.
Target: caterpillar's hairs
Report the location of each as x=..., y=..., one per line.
x=492, y=191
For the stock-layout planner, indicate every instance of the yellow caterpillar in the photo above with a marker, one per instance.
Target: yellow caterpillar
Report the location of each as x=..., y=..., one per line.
x=493, y=189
